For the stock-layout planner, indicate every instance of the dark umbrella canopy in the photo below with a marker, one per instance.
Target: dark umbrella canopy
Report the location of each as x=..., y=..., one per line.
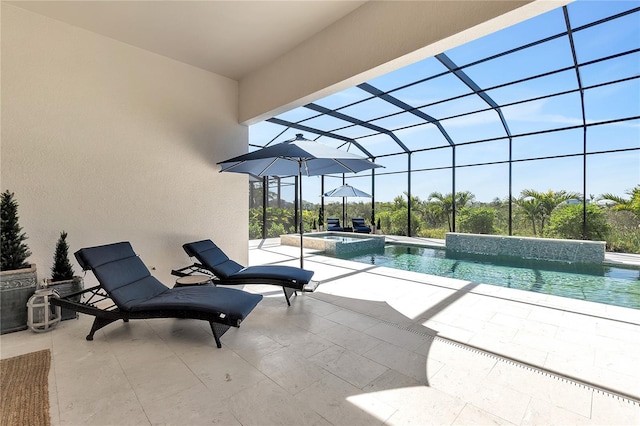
x=297, y=157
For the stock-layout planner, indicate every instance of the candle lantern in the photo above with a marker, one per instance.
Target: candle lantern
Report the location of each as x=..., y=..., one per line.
x=41, y=315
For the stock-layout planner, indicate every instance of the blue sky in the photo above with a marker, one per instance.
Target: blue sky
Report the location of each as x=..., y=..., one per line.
x=612, y=172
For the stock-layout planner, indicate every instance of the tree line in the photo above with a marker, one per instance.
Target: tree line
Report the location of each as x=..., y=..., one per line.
x=551, y=214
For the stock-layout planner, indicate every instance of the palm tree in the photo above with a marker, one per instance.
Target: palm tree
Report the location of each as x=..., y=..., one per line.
x=531, y=209
x=444, y=204
x=430, y=214
x=548, y=201
x=632, y=205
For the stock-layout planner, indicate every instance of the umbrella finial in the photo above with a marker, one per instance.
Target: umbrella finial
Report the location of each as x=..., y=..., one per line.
x=299, y=136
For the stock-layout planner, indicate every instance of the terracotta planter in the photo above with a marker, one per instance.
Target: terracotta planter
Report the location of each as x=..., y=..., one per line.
x=65, y=288
x=16, y=287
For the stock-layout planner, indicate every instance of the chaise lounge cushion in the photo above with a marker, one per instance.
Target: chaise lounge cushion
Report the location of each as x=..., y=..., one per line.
x=359, y=225
x=122, y=273
x=212, y=257
x=215, y=260
x=275, y=272
x=208, y=299
x=333, y=224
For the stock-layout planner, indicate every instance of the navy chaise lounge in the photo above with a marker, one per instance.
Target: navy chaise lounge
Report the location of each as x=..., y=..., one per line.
x=360, y=226
x=135, y=294
x=211, y=260
x=333, y=224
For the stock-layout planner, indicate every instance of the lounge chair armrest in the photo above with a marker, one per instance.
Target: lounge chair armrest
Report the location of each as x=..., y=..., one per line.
x=196, y=268
x=311, y=286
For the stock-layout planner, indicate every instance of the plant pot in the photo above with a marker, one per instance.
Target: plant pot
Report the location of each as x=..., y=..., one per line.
x=16, y=287
x=65, y=288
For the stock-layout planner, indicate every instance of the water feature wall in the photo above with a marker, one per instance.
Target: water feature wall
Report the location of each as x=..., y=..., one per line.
x=527, y=247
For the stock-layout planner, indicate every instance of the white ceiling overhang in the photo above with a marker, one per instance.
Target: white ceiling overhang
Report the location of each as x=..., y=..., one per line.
x=288, y=53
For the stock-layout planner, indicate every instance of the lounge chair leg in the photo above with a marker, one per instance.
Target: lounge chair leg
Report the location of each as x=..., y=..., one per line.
x=98, y=323
x=218, y=330
x=288, y=292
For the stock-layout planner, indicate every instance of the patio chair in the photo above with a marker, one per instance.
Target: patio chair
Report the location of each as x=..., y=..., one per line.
x=128, y=291
x=359, y=225
x=333, y=224
x=211, y=260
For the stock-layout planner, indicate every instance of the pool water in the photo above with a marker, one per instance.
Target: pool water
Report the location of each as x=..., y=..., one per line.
x=596, y=283
x=340, y=238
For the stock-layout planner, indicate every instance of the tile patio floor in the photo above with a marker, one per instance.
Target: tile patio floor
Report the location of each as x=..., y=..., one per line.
x=371, y=346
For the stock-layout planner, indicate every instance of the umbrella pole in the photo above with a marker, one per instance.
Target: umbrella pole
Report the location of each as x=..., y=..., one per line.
x=344, y=206
x=344, y=215
x=346, y=211
x=300, y=216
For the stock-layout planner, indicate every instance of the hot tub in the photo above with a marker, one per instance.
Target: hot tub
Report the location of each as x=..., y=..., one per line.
x=335, y=243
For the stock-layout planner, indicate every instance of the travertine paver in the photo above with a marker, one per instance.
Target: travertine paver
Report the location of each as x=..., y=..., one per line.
x=358, y=351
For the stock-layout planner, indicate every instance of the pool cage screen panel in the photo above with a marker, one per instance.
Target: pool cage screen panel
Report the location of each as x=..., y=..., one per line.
x=546, y=97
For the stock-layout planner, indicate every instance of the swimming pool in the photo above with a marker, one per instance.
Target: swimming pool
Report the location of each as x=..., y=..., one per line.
x=597, y=283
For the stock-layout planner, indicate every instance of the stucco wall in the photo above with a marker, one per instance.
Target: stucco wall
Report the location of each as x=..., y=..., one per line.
x=112, y=143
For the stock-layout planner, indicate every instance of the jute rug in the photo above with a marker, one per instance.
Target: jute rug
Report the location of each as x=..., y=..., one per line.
x=24, y=389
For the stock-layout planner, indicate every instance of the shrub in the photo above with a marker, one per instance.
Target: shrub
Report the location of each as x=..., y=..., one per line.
x=624, y=235
x=14, y=251
x=255, y=231
x=62, y=269
x=439, y=233
x=399, y=223
x=566, y=222
x=477, y=220
x=309, y=219
x=275, y=230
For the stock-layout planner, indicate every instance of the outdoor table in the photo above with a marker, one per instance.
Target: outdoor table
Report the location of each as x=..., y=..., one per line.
x=192, y=280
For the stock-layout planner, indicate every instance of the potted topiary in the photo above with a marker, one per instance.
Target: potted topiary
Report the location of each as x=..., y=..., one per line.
x=321, y=219
x=378, y=230
x=63, y=279
x=18, y=278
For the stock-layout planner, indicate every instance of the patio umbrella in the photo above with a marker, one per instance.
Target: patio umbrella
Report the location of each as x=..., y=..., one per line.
x=297, y=157
x=346, y=191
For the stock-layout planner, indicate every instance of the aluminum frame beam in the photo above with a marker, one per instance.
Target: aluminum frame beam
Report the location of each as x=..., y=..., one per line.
x=304, y=128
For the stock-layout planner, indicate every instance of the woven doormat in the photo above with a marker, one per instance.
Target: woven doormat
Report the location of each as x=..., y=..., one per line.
x=24, y=389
